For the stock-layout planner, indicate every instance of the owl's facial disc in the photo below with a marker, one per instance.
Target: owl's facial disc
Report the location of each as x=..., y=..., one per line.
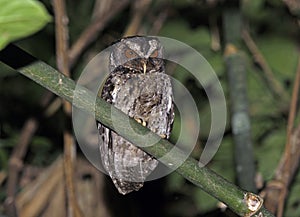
x=130, y=51
x=144, y=66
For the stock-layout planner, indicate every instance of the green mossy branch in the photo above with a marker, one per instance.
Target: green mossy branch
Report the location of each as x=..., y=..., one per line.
x=215, y=185
x=240, y=120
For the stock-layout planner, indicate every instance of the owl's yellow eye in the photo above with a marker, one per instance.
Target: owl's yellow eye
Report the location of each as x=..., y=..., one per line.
x=154, y=54
x=130, y=53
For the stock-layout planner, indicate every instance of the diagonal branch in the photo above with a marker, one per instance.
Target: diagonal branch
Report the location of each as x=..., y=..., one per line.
x=275, y=86
x=241, y=202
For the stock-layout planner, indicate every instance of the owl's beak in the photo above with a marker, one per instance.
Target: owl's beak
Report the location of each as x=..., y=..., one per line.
x=144, y=64
x=144, y=67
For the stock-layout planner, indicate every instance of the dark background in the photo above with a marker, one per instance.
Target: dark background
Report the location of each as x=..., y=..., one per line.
x=274, y=29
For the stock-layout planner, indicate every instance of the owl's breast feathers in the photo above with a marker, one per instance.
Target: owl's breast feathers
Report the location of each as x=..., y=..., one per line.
x=129, y=70
x=146, y=97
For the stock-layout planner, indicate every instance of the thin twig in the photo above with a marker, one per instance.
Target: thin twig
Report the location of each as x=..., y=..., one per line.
x=61, y=31
x=159, y=21
x=16, y=164
x=101, y=7
x=34, y=198
x=3, y=176
x=16, y=159
x=292, y=113
x=91, y=33
x=294, y=6
x=62, y=60
x=277, y=189
x=139, y=8
x=213, y=26
x=288, y=152
x=275, y=86
x=215, y=34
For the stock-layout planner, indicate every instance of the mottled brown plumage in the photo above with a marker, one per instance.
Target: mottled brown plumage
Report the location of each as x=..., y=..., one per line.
x=138, y=86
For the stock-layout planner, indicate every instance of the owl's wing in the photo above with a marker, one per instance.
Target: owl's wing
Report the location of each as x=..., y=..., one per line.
x=127, y=165
x=105, y=146
x=170, y=117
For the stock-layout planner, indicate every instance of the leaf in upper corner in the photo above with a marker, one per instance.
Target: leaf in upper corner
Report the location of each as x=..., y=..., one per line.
x=20, y=18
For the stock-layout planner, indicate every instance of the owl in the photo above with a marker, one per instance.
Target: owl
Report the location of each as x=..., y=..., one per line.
x=138, y=86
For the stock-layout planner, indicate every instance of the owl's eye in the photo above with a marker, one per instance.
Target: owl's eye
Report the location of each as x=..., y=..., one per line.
x=130, y=53
x=154, y=54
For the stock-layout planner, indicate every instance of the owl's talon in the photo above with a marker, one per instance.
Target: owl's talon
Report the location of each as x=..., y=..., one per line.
x=144, y=123
x=141, y=121
x=163, y=136
x=138, y=120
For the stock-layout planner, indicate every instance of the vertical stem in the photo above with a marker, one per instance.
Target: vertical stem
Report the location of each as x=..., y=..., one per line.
x=240, y=120
x=62, y=61
x=276, y=197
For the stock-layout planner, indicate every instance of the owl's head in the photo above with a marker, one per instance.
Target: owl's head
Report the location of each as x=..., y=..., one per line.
x=137, y=52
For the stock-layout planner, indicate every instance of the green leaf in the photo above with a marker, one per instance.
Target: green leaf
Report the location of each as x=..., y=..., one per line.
x=20, y=18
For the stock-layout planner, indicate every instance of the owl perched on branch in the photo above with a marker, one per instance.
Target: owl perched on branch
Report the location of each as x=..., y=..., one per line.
x=138, y=86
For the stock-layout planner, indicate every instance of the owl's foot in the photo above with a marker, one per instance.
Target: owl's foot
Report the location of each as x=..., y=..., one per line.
x=163, y=136
x=141, y=121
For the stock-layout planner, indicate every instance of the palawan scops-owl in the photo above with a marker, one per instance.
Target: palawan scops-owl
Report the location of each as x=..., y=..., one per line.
x=138, y=86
